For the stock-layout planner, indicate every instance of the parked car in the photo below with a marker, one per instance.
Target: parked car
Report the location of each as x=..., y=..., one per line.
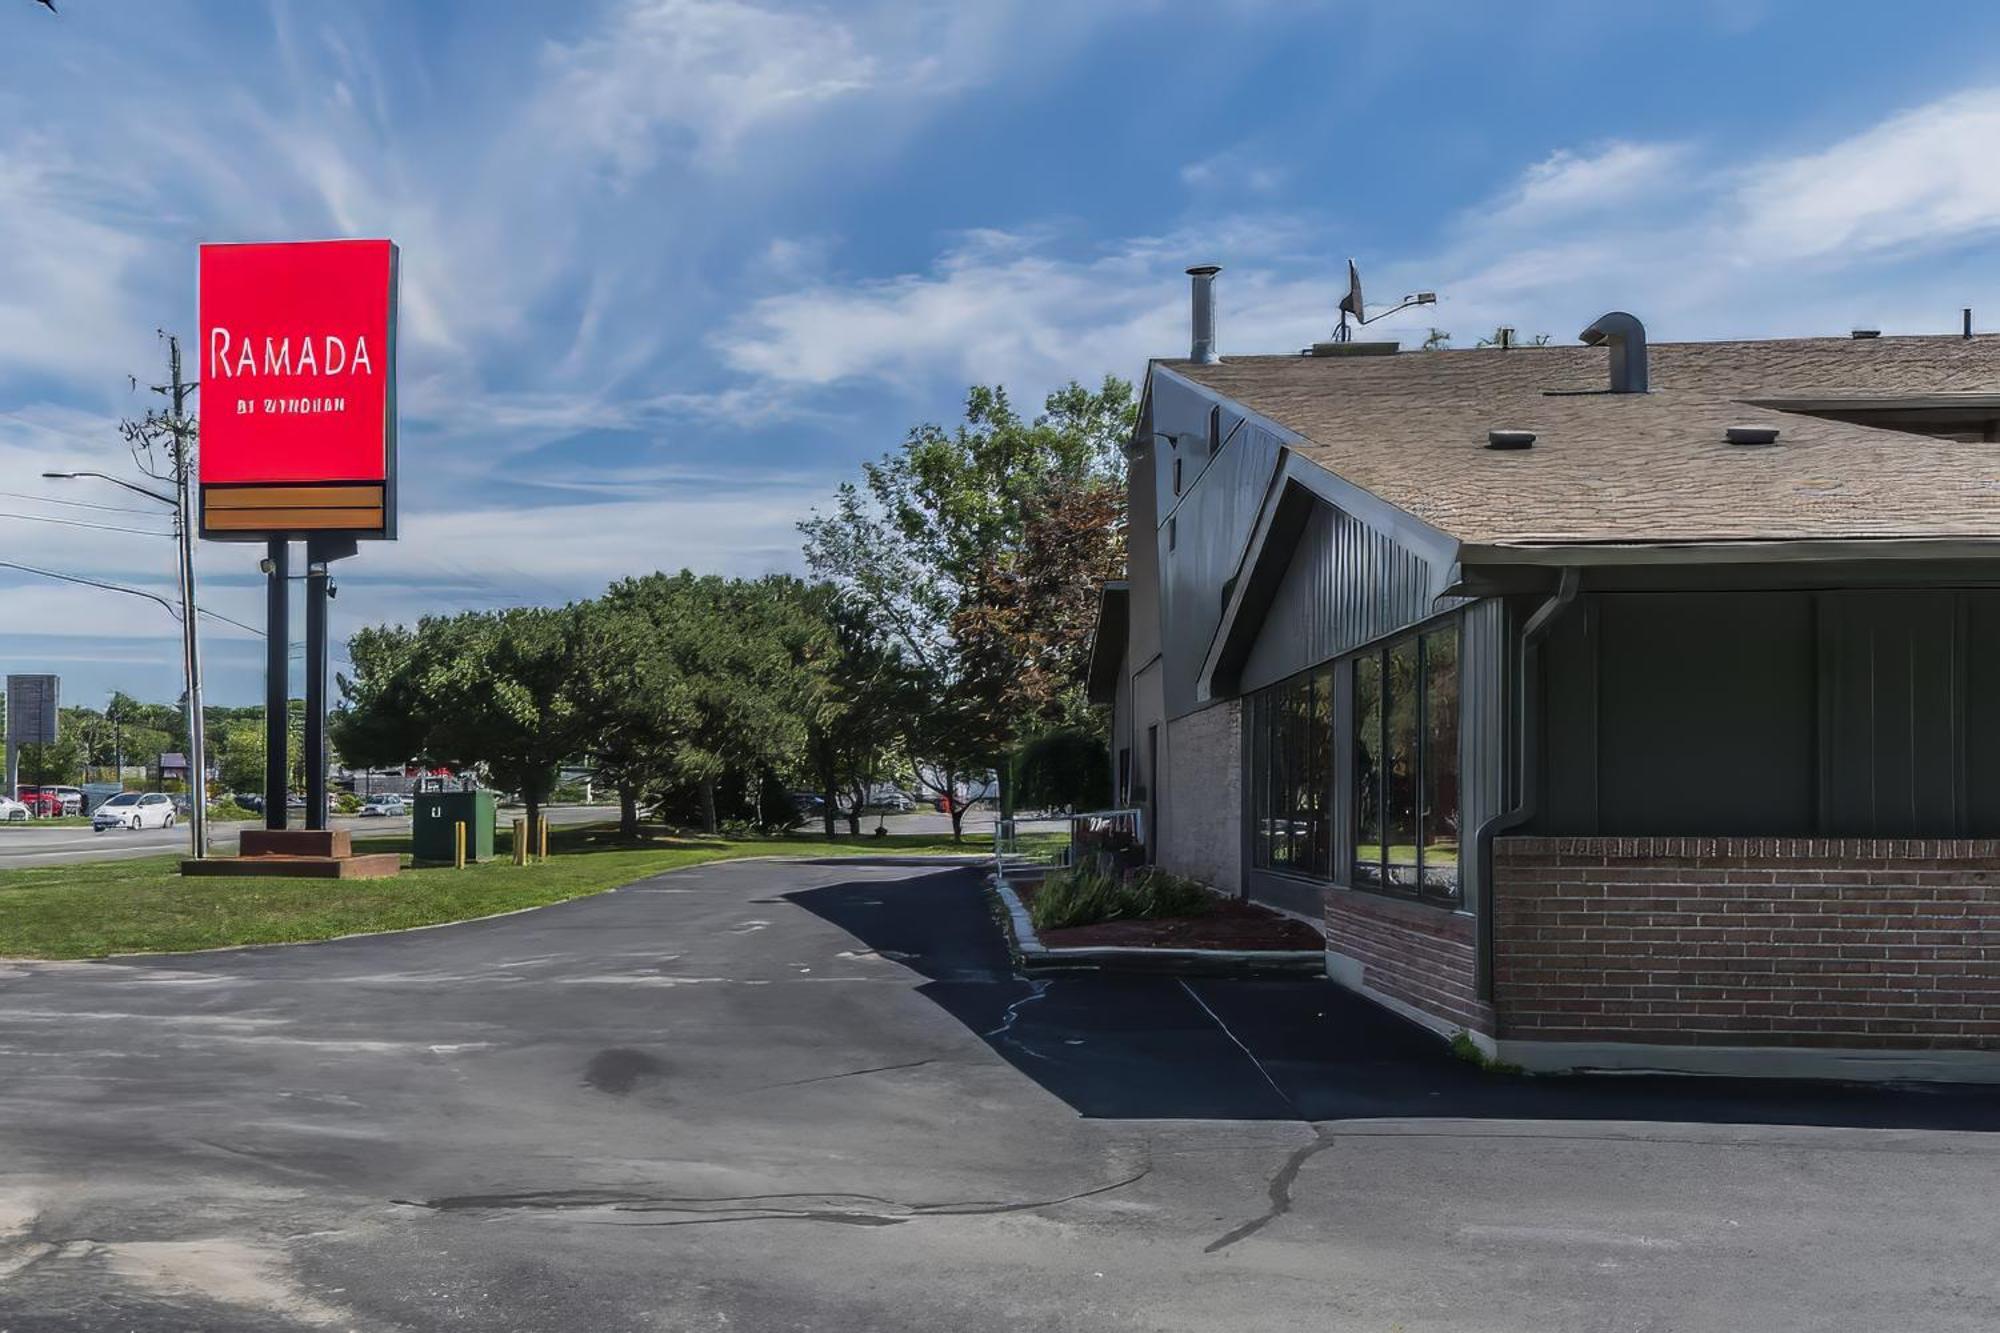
x=896, y=802
x=134, y=810
x=376, y=807
x=296, y=801
x=249, y=800
x=41, y=802
x=12, y=810
x=69, y=799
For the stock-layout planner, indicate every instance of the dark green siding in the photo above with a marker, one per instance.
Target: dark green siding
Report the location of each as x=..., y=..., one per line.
x=1780, y=713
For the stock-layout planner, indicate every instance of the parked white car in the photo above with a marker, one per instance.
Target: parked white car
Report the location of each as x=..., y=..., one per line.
x=134, y=810
x=12, y=810
x=378, y=806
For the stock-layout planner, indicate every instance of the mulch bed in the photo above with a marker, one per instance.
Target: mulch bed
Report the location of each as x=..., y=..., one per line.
x=1230, y=924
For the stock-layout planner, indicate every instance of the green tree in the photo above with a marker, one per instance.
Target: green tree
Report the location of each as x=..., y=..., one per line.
x=60, y=762
x=492, y=689
x=241, y=757
x=637, y=699
x=930, y=545
x=735, y=660
x=856, y=733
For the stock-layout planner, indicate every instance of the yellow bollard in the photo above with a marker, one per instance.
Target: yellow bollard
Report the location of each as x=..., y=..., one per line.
x=458, y=860
x=520, y=842
x=544, y=840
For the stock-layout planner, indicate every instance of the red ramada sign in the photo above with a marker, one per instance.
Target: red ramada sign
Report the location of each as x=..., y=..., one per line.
x=298, y=368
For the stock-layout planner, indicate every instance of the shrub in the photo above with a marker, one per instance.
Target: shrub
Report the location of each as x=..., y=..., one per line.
x=1087, y=894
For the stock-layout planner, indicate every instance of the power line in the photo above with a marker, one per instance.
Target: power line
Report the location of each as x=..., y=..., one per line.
x=172, y=610
x=76, y=504
x=79, y=523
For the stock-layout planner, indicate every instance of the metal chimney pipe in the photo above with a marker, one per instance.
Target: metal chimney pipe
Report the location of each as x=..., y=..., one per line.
x=1203, y=348
x=1627, y=337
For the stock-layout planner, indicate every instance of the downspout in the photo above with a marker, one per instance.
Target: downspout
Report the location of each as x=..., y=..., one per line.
x=1526, y=676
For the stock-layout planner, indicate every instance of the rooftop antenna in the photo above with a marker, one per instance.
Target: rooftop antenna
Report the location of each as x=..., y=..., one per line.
x=1351, y=304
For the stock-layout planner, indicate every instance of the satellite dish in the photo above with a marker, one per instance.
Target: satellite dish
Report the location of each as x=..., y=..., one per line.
x=1350, y=304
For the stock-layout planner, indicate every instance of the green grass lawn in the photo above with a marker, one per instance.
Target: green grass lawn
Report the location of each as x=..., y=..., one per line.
x=144, y=906
x=59, y=821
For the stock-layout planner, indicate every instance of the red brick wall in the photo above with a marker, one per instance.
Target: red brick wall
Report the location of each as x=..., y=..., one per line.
x=1749, y=941
x=1413, y=952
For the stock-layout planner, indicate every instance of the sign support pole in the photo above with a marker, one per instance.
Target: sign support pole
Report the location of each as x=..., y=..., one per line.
x=277, y=670
x=321, y=552
x=316, y=664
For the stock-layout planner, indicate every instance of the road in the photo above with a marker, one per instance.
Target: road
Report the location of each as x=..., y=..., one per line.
x=24, y=846
x=773, y=1096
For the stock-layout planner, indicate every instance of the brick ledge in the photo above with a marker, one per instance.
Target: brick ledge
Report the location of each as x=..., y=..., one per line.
x=1749, y=849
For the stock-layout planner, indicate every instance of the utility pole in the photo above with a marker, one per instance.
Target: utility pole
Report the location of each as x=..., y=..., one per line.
x=183, y=432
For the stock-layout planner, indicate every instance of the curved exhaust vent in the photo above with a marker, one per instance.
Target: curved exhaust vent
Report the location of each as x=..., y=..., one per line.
x=1626, y=337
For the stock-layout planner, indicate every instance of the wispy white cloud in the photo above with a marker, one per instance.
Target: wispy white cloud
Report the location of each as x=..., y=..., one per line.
x=1921, y=179
x=1700, y=243
x=705, y=73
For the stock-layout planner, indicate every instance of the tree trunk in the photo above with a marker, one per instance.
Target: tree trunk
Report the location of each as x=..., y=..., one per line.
x=533, y=800
x=708, y=824
x=1006, y=777
x=826, y=813
x=628, y=812
x=957, y=806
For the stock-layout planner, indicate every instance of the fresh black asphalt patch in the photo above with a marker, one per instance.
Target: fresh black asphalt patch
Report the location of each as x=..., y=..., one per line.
x=1151, y=1047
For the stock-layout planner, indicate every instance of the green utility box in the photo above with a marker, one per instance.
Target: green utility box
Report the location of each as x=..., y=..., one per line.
x=434, y=817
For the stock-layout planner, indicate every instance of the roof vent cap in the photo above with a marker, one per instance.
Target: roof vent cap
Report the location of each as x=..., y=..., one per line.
x=1626, y=337
x=1860, y=334
x=1751, y=434
x=1510, y=439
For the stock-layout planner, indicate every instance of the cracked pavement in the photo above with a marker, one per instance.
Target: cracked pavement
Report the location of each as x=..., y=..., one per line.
x=813, y=1096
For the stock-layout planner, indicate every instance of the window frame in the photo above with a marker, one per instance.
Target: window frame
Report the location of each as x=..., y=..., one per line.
x=1272, y=760
x=1383, y=882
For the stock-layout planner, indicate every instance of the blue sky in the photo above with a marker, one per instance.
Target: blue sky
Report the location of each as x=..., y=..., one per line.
x=672, y=268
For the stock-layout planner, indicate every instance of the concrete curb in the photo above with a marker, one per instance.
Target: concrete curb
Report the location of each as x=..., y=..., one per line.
x=1038, y=957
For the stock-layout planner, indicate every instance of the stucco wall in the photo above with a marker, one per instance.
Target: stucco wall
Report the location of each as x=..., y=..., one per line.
x=1201, y=806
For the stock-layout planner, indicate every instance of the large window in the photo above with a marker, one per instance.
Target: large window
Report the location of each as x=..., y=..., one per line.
x=1292, y=777
x=1406, y=832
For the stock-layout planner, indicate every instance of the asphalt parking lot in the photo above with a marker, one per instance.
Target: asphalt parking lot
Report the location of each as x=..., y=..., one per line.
x=774, y=1096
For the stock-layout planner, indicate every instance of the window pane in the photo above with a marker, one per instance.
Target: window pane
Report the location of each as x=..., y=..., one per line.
x=1260, y=783
x=1319, y=861
x=1291, y=739
x=1368, y=770
x=1439, y=817
x=1399, y=816
x=1294, y=697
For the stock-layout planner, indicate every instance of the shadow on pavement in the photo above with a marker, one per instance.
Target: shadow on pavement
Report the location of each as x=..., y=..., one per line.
x=1133, y=1047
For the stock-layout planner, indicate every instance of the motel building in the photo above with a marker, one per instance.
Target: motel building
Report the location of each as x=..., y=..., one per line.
x=1619, y=706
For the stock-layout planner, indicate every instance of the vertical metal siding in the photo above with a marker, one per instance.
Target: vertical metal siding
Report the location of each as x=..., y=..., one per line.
x=1217, y=508
x=1482, y=733
x=1347, y=585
